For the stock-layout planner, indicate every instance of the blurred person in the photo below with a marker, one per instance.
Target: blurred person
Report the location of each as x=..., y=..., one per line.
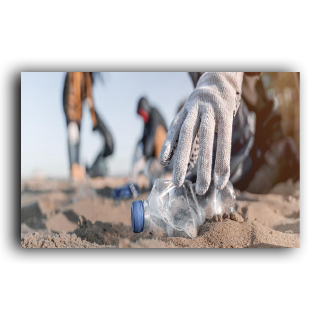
x=218, y=136
x=77, y=89
x=145, y=165
x=155, y=129
x=146, y=158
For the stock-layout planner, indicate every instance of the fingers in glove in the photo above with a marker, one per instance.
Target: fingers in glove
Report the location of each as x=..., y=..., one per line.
x=172, y=137
x=186, y=137
x=206, y=140
x=222, y=164
x=193, y=154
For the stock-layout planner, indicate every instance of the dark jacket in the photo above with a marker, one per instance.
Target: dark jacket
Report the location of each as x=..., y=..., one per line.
x=149, y=132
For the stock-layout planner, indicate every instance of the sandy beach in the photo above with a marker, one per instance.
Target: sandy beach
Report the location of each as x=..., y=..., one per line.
x=62, y=214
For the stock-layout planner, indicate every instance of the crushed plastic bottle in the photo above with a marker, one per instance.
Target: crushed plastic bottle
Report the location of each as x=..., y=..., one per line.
x=217, y=201
x=179, y=212
x=168, y=211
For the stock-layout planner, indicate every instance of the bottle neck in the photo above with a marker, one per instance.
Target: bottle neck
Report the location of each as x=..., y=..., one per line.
x=146, y=216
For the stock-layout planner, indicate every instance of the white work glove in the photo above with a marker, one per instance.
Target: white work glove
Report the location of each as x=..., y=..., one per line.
x=211, y=107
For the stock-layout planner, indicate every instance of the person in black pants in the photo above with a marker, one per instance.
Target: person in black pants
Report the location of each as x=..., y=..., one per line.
x=77, y=89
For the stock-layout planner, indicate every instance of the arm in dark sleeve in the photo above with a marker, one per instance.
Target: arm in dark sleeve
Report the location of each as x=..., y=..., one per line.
x=149, y=139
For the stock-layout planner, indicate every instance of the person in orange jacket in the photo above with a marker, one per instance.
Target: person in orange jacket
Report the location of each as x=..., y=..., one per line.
x=77, y=89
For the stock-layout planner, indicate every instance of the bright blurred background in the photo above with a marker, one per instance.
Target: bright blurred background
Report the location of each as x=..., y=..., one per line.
x=43, y=125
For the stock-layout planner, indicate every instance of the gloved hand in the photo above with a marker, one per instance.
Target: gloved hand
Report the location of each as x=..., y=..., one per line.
x=211, y=107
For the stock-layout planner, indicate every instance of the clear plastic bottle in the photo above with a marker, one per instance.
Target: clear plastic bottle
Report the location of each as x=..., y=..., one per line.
x=217, y=201
x=168, y=211
x=179, y=212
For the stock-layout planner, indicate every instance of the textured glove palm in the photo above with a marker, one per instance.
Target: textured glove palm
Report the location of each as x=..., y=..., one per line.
x=210, y=108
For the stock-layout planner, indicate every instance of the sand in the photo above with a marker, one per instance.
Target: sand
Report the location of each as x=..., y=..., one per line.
x=62, y=214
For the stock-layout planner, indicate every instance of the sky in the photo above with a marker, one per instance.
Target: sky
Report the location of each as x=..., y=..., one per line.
x=43, y=126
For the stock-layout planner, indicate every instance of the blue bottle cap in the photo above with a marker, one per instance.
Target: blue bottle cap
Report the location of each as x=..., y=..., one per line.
x=137, y=216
